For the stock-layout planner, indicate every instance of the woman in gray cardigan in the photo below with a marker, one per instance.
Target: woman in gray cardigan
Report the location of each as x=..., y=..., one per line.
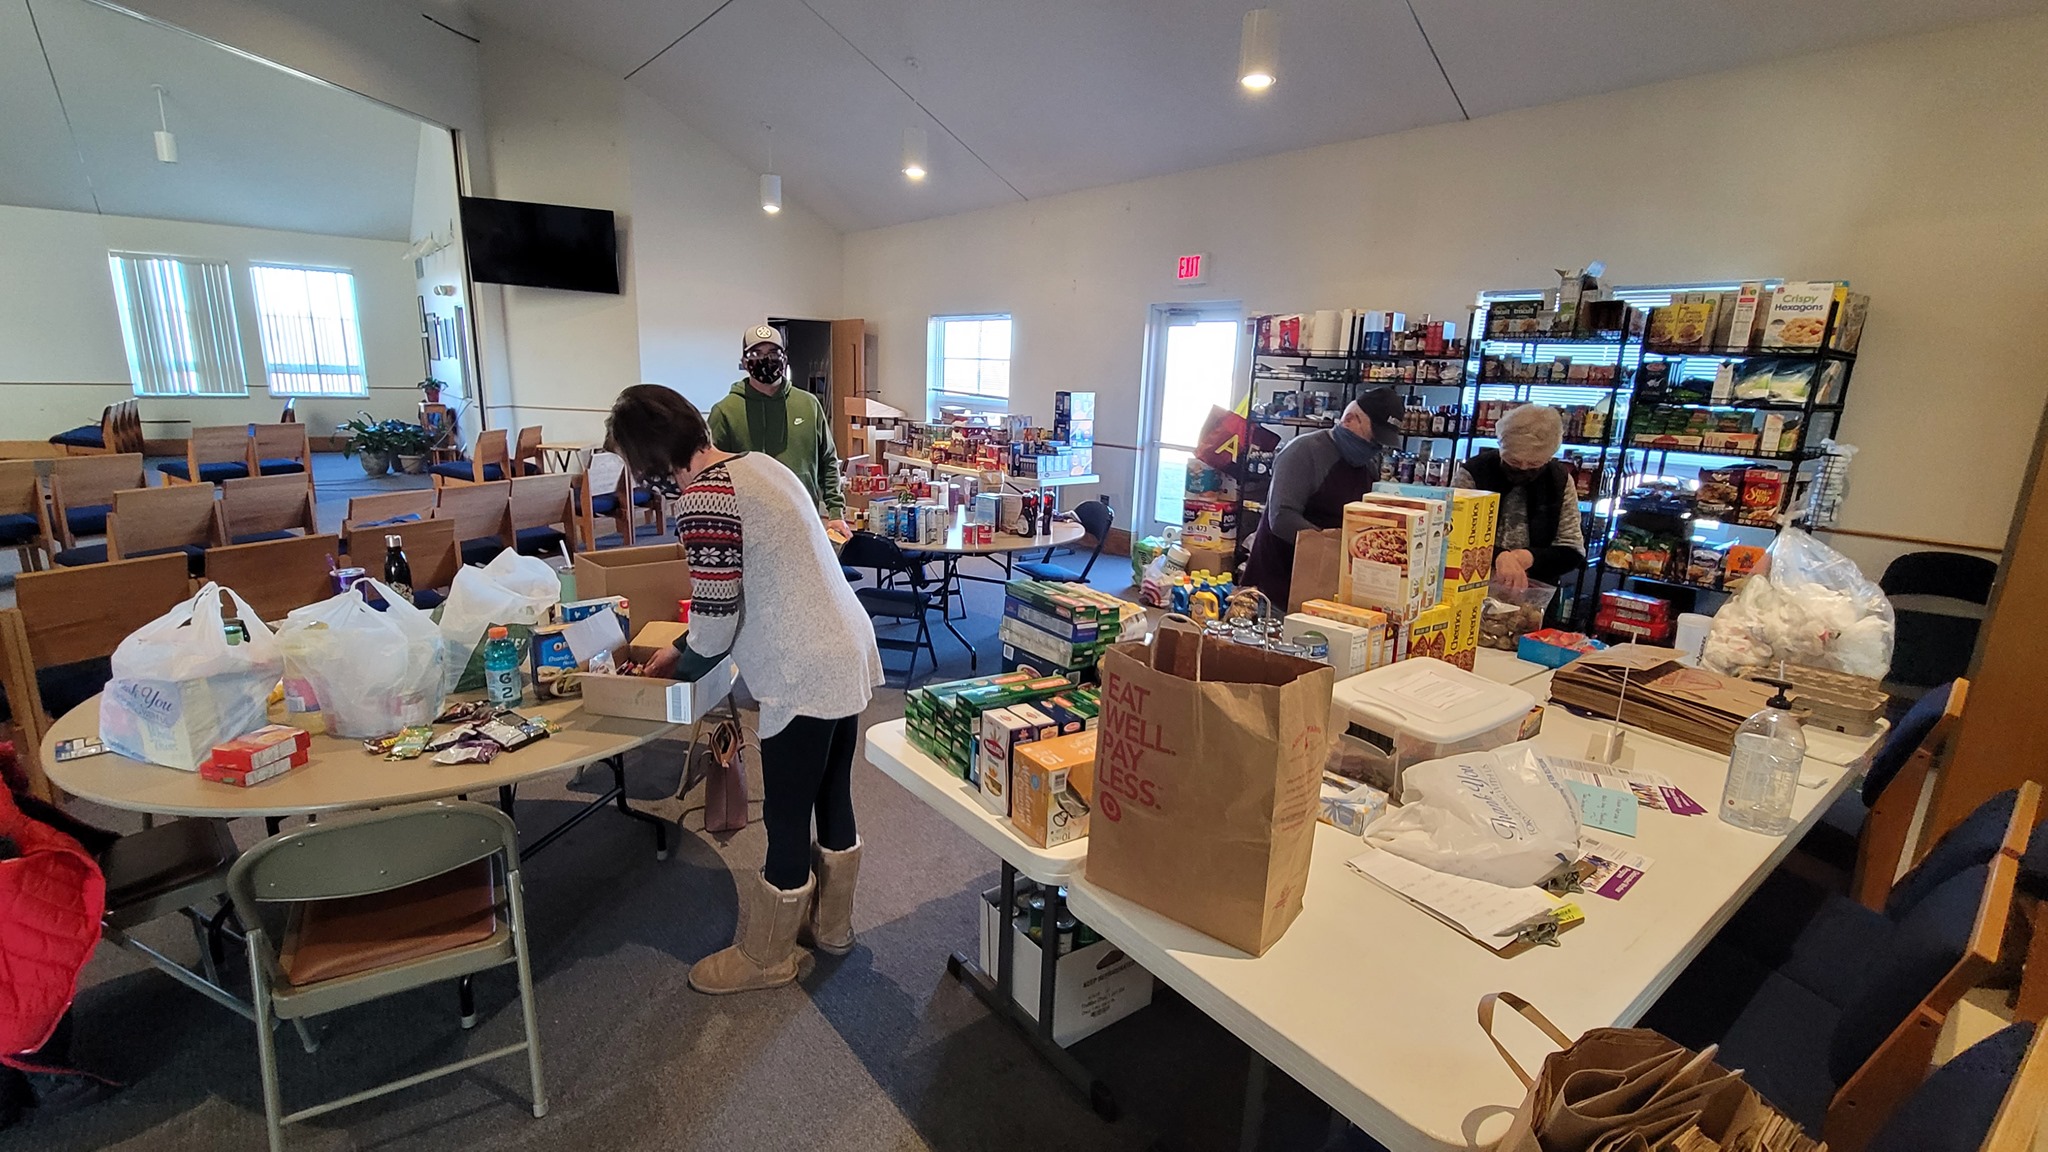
x=767, y=590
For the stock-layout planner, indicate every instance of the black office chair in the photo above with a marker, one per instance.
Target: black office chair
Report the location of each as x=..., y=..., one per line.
x=1938, y=599
x=911, y=599
x=1095, y=516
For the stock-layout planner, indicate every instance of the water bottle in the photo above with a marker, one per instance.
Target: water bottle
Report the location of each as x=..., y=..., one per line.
x=501, y=668
x=1763, y=770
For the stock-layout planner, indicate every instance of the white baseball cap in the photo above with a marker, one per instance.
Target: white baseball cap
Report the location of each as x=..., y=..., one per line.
x=761, y=334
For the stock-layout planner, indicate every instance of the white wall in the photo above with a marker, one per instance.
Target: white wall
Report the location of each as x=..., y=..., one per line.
x=61, y=354
x=1913, y=167
x=701, y=261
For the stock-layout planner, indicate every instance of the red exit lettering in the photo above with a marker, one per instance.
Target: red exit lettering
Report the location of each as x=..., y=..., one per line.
x=1190, y=268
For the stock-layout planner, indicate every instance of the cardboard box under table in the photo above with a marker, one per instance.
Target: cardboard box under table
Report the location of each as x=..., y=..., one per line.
x=651, y=578
x=657, y=697
x=1095, y=985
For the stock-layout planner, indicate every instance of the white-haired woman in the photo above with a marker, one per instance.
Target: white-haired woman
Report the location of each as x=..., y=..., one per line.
x=1539, y=536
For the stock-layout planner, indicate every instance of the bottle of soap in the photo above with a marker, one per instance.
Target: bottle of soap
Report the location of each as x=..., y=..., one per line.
x=1763, y=769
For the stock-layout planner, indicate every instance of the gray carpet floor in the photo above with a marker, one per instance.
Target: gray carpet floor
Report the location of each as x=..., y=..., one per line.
x=878, y=1050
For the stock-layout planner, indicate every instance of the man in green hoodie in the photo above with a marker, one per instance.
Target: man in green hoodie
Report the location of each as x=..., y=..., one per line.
x=763, y=413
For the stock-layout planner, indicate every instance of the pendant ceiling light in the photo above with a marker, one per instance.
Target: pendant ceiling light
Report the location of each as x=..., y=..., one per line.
x=914, y=153
x=771, y=184
x=1255, y=61
x=166, y=144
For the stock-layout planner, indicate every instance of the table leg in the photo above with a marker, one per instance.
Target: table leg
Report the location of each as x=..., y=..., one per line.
x=615, y=795
x=618, y=766
x=271, y=824
x=995, y=993
x=950, y=579
x=507, y=796
x=1255, y=1077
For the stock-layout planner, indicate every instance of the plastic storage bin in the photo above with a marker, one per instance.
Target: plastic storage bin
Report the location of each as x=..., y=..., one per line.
x=1419, y=709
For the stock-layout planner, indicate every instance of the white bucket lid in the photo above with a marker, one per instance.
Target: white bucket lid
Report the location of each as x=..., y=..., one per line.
x=1426, y=698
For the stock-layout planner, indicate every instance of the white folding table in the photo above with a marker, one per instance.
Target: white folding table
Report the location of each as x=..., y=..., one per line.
x=1369, y=1002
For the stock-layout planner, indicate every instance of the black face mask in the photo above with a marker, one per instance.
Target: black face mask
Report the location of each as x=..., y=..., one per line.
x=664, y=486
x=1520, y=476
x=766, y=371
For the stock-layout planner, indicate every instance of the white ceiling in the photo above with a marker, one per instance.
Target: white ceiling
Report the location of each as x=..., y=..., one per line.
x=1029, y=98
x=258, y=146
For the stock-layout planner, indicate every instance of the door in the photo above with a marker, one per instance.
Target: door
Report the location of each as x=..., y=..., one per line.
x=1190, y=367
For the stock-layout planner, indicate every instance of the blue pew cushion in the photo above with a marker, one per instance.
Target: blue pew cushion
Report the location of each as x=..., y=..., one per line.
x=1781, y=1041
x=1974, y=841
x=1953, y=1110
x=539, y=541
x=1834, y=955
x=427, y=599
x=88, y=519
x=86, y=554
x=464, y=470
x=17, y=528
x=1899, y=744
x=482, y=550
x=1927, y=943
x=83, y=436
x=212, y=473
x=279, y=466
x=66, y=686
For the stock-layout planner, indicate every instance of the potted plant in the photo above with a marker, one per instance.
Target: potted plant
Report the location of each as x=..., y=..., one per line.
x=411, y=447
x=430, y=389
x=372, y=442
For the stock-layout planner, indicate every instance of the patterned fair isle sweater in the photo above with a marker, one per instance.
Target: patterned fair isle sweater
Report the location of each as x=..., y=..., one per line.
x=766, y=586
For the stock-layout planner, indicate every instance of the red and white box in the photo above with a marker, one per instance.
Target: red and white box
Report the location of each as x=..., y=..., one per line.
x=254, y=757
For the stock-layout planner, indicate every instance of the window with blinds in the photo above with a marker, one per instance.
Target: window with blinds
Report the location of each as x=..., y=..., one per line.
x=312, y=341
x=178, y=321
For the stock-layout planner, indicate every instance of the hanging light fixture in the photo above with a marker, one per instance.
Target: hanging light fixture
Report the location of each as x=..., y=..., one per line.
x=166, y=144
x=1255, y=62
x=914, y=143
x=771, y=184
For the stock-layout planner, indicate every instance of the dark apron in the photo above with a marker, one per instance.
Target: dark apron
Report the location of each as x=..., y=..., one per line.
x=1270, y=568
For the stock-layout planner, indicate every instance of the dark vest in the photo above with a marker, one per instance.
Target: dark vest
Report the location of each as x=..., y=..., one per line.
x=1544, y=493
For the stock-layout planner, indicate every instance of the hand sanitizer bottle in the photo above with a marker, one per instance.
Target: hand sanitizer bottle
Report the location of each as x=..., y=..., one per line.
x=1763, y=770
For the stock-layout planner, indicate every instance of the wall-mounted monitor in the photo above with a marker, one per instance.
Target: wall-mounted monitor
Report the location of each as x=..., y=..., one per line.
x=541, y=245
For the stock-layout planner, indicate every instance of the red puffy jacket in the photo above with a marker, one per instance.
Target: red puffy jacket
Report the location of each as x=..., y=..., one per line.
x=51, y=900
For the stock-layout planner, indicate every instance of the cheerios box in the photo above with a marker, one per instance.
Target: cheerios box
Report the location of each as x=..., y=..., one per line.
x=1385, y=558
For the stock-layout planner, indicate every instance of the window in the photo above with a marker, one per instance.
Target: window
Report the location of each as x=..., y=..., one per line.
x=312, y=344
x=970, y=361
x=178, y=321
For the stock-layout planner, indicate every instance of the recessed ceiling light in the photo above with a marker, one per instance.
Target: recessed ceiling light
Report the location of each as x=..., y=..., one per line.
x=914, y=143
x=1255, y=64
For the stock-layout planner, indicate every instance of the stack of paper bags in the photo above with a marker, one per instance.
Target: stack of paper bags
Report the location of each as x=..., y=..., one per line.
x=1663, y=695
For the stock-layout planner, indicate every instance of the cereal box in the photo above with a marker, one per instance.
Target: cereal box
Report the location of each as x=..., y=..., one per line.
x=1438, y=508
x=1384, y=559
x=1052, y=787
x=1740, y=330
x=1428, y=634
x=1466, y=609
x=1469, y=540
x=1799, y=314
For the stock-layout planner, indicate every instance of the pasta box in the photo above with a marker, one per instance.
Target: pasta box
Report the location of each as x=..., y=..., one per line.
x=1384, y=558
x=656, y=698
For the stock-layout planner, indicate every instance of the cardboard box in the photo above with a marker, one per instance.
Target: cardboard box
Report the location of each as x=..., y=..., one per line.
x=1219, y=560
x=1052, y=789
x=655, y=697
x=1094, y=986
x=1433, y=552
x=1384, y=558
x=1466, y=609
x=1350, y=806
x=1002, y=731
x=1428, y=634
x=1798, y=315
x=651, y=578
x=1348, y=647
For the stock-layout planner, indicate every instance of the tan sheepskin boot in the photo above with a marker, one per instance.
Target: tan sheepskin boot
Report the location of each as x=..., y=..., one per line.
x=829, y=927
x=764, y=952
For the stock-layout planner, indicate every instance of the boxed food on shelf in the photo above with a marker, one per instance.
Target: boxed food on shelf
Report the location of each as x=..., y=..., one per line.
x=1741, y=562
x=1636, y=615
x=1416, y=710
x=1798, y=316
x=1052, y=787
x=1738, y=332
x=1073, y=418
x=1384, y=559
x=1849, y=319
x=1763, y=489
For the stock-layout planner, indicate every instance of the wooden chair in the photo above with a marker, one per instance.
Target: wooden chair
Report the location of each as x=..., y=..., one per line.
x=526, y=454
x=179, y=518
x=387, y=505
x=24, y=513
x=430, y=550
x=442, y=432
x=1894, y=791
x=279, y=449
x=482, y=514
x=67, y=616
x=2020, y=1116
x=489, y=462
x=259, y=508
x=276, y=576
x=82, y=494
x=544, y=514
x=211, y=456
x=119, y=432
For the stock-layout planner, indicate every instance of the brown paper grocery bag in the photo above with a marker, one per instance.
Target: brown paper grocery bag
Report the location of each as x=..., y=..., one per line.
x=1208, y=758
x=1317, y=556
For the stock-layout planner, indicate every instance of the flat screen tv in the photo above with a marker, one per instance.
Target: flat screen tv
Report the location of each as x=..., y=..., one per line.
x=541, y=245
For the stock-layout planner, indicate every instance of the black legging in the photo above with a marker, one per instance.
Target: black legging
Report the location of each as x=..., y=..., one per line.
x=807, y=767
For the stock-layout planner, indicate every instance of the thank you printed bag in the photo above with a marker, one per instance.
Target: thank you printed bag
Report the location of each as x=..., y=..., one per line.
x=179, y=687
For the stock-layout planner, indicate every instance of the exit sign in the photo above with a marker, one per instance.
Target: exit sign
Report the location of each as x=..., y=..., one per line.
x=1192, y=270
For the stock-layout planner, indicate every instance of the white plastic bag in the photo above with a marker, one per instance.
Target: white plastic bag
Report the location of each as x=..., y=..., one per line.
x=1811, y=606
x=179, y=687
x=511, y=589
x=1501, y=816
x=372, y=672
